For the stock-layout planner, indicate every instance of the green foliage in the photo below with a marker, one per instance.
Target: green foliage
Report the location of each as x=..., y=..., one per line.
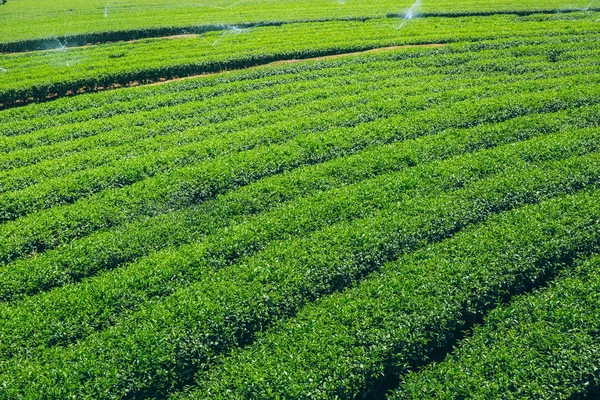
x=37, y=75
x=543, y=345
x=348, y=343
x=182, y=187
x=79, y=21
x=230, y=305
x=320, y=229
x=226, y=246
x=105, y=250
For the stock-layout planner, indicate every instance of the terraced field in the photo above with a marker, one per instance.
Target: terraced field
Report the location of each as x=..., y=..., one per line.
x=297, y=199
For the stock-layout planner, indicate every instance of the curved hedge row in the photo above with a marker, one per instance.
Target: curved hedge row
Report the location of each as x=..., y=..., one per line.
x=352, y=343
x=47, y=229
x=101, y=105
x=112, y=21
x=172, y=339
x=68, y=189
x=34, y=319
x=151, y=131
x=544, y=345
x=198, y=232
x=36, y=77
x=108, y=250
x=95, y=38
x=406, y=67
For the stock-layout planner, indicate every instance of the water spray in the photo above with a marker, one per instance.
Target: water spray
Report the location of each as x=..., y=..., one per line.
x=218, y=38
x=3, y=69
x=106, y=11
x=220, y=7
x=230, y=29
x=62, y=46
x=589, y=5
x=232, y=5
x=410, y=13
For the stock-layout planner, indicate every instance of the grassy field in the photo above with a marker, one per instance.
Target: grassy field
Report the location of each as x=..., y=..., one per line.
x=298, y=199
x=26, y=20
x=36, y=75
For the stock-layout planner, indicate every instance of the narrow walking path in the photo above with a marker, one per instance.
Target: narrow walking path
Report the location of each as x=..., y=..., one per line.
x=160, y=81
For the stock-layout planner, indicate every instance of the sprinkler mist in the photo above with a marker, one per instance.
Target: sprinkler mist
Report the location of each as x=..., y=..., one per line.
x=230, y=29
x=588, y=6
x=61, y=46
x=106, y=12
x=220, y=7
x=3, y=69
x=231, y=5
x=410, y=13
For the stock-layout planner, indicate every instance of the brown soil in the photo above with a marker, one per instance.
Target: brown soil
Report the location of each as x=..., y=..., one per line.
x=297, y=60
x=162, y=81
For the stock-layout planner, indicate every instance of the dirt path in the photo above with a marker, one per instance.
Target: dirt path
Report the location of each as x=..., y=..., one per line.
x=75, y=92
x=297, y=60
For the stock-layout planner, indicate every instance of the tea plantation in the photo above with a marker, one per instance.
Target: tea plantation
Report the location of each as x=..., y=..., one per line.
x=299, y=199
